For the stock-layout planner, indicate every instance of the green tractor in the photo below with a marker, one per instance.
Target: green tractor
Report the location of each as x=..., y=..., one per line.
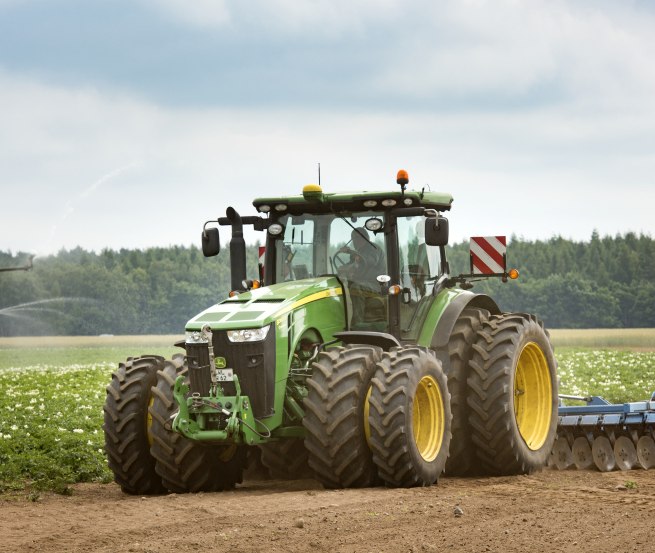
x=355, y=358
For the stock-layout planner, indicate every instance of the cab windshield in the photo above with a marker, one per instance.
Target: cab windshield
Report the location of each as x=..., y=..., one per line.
x=322, y=244
x=353, y=247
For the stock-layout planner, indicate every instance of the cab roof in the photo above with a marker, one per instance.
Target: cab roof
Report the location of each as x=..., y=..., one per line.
x=320, y=202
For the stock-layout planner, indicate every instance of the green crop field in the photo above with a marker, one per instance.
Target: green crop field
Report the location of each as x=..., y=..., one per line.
x=52, y=392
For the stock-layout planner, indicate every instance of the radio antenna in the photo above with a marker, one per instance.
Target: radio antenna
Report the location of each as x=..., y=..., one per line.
x=319, y=174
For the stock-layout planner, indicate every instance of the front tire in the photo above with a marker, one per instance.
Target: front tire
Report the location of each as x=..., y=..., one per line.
x=127, y=426
x=513, y=395
x=336, y=416
x=410, y=418
x=184, y=465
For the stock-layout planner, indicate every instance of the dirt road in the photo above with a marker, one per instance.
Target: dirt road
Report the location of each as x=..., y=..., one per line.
x=552, y=511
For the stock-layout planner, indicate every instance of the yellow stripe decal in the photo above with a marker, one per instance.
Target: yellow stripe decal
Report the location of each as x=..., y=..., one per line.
x=334, y=292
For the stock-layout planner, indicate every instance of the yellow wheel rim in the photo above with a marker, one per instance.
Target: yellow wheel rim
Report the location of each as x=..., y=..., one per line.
x=429, y=418
x=533, y=396
x=367, y=409
x=149, y=420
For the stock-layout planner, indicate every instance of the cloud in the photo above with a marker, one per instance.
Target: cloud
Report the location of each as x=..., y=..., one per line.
x=538, y=117
x=201, y=13
x=374, y=55
x=325, y=17
x=519, y=53
x=533, y=173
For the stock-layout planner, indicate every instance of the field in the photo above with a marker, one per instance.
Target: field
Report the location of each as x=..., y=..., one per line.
x=52, y=392
x=51, y=440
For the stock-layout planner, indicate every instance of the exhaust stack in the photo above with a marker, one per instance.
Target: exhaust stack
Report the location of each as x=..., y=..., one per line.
x=237, y=250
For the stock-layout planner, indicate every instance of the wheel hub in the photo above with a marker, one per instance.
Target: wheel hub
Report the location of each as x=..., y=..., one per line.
x=429, y=424
x=533, y=396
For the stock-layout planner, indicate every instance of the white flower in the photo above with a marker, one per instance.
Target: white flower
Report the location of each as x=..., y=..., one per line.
x=78, y=431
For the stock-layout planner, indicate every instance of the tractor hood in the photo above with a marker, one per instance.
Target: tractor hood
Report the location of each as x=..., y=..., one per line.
x=262, y=306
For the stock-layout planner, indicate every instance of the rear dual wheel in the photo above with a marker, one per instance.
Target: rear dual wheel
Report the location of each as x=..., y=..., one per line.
x=512, y=395
x=410, y=418
x=461, y=460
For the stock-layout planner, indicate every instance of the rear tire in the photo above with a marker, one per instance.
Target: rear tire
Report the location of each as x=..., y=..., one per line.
x=335, y=417
x=126, y=426
x=184, y=465
x=286, y=459
x=410, y=418
x=461, y=461
x=512, y=395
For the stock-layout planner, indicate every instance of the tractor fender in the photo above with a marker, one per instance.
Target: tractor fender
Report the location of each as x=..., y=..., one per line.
x=381, y=339
x=446, y=323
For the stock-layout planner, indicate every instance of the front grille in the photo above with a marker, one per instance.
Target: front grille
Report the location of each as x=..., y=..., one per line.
x=199, y=373
x=252, y=362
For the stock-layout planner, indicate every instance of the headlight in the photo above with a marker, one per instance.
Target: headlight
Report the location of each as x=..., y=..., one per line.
x=248, y=334
x=275, y=229
x=195, y=337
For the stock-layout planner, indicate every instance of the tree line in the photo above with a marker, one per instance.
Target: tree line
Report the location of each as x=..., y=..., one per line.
x=604, y=282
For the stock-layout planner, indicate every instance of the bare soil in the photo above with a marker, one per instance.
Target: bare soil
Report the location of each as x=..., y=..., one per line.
x=549, y=511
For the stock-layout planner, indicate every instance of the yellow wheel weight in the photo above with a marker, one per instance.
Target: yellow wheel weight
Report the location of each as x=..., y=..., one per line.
x=533, y=396
x=429, y=418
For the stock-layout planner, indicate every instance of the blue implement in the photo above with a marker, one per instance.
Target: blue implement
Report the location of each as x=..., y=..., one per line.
x=605, y=434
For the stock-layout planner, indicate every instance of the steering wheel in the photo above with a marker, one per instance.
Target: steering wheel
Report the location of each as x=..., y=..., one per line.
x=338, y=262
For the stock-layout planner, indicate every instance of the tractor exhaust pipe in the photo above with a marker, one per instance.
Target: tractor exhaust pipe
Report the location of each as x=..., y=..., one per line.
x=237, y=250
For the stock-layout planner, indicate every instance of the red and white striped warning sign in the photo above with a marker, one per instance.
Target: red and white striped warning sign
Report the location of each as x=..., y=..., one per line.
x=488, y=254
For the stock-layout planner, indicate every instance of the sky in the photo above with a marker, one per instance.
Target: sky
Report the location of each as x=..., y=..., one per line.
x=128, y=124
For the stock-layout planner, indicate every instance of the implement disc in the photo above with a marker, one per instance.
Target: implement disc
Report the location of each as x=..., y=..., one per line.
x=603, y=454
x=561, y=454
x=582, y=456
x=625, y=453
x=646, y=452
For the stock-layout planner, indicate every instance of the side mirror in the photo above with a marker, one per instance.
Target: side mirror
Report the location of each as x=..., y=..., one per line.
x=436, y=231
x=211, y=244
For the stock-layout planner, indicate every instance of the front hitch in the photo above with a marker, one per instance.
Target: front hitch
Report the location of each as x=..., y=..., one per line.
x=216, y=419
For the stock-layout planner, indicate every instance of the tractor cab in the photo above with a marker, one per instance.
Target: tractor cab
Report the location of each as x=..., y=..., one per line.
x=379, y=256
x=387, y=250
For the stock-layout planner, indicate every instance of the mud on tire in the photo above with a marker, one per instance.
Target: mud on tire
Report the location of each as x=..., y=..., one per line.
x=335, y=411
x=126, y=426
x=410, y=417
x=512, y=395
x=186, y=466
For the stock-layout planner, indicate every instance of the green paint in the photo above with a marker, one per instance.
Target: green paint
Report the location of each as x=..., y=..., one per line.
x=263, y=306
x=439, y=305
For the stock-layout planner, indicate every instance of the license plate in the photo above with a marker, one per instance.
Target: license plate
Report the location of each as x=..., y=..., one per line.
x=224, y=375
